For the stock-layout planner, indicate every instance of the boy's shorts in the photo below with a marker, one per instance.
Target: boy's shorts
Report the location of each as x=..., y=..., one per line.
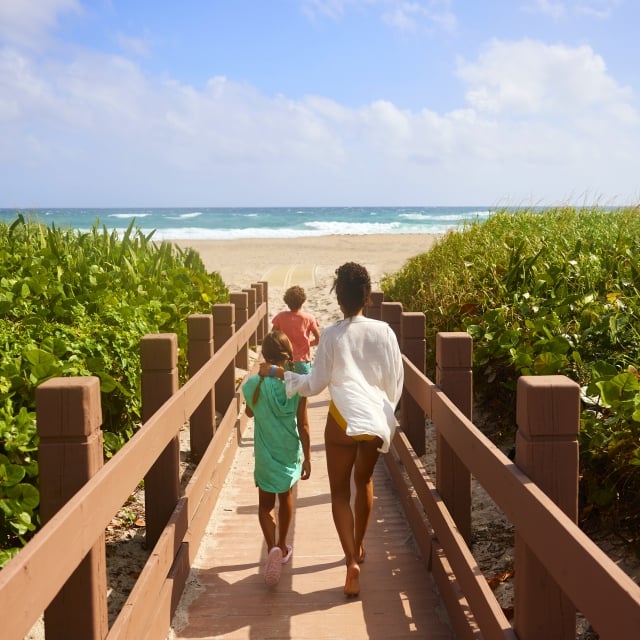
x=302, y=367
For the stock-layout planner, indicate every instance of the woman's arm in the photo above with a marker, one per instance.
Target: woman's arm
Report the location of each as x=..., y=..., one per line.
x=306, y=384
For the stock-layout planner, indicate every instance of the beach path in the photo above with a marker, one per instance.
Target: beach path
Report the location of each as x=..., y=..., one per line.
x=286, y=275
x=226, y=596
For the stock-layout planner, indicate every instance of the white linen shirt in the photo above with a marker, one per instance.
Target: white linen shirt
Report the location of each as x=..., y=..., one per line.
x=359, y=359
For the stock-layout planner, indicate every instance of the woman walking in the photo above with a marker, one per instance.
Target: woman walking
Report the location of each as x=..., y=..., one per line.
x=359, y=360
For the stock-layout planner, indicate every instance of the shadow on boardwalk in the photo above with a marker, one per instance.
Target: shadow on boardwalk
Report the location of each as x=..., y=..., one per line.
x=226, y=597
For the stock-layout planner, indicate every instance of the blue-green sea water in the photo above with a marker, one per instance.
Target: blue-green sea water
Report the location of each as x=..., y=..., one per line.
x=217, y=223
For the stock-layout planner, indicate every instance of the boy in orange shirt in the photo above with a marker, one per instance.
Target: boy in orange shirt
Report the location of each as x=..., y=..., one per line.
x=302, y=329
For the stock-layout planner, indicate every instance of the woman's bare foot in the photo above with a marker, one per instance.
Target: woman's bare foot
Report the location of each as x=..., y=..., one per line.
x=352, y=583
x=361, y=555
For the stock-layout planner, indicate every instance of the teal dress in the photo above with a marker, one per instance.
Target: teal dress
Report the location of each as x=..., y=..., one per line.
x=276, y=443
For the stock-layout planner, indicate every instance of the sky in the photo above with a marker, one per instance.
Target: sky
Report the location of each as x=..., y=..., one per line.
x=116, y=103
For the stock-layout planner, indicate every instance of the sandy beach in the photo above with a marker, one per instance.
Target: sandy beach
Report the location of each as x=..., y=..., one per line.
x=307, y=262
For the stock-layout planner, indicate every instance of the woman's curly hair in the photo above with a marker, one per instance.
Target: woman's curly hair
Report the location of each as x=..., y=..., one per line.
x=352, y=285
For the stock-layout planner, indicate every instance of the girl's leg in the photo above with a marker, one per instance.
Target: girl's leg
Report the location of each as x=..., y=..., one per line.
x=285, y=516
x=341, y=455
x=365, y=463
x=266, y=517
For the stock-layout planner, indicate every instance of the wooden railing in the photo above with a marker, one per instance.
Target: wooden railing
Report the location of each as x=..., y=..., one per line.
x=558, y=570
x=61, y=571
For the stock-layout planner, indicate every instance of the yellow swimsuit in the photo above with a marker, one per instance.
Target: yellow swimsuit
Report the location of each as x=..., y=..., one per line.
x=342, y=423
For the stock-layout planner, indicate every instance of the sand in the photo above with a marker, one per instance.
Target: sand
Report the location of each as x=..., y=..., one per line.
x=307, y=262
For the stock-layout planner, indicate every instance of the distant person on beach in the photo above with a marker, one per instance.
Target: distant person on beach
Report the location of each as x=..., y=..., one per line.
x=301, y=328
x=281, y=449
x=359, y=359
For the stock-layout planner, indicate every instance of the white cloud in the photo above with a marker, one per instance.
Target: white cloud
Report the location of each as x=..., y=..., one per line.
x=139, y=47
x=402, y=15
x=548, y=7
x=530, y=78
x=599, y=9
x=414, y=16
x=96, y=129
x=28, y=23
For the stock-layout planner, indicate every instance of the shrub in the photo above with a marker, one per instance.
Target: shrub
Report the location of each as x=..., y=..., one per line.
x=76, y=304
x=548, y=292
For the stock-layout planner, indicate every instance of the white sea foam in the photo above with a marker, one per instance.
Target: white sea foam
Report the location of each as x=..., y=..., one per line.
x=335, y=227
x=469, y=215
x=185, y=216
x=127, y=216
x=199, y=233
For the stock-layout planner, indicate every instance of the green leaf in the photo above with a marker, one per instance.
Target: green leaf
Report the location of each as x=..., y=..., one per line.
x=621, y=387
x=7, y=554
x=39, y=357
x=11, y=474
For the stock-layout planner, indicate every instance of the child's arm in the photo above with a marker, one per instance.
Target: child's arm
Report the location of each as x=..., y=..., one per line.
x=315, y=330
x=305, y=438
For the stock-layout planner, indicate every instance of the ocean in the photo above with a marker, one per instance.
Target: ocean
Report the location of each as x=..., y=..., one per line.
x=226, y=223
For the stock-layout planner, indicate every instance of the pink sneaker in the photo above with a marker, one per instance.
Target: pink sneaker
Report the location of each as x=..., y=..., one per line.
x=273, y=567
x=286, y=558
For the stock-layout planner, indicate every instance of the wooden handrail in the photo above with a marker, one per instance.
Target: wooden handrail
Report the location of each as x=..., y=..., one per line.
x=30, y=580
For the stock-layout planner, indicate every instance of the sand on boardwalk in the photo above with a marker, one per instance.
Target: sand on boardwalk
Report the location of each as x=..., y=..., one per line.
x=308, y=262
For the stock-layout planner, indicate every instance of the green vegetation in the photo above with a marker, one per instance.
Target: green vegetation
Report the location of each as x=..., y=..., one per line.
x=549, y=292
x=76, y=304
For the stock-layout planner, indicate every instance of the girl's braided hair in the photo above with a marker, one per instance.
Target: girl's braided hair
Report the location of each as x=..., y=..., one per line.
x=352, y=286
x=276, y=349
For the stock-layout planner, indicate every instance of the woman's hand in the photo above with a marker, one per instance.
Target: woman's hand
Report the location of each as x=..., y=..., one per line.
x=265, y=368
x=306, y=469
x=271, y=370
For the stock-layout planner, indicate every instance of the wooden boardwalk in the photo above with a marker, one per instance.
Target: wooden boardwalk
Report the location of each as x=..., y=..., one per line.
x=226, y=596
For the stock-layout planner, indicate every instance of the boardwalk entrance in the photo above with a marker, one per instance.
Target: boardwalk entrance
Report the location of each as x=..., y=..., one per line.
x=226, y=597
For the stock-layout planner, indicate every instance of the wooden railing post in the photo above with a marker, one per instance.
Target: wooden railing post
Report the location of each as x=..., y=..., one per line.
x=374, y=308
x=69, y=416
x=266, y=320
x=241, y=303
x=548, y=418
x=258, y=288
x=251, y=309
x=223, y=329
x=202, y=424
x=159, y=381
x=391, y=312
x=413, y=345
x=454, y=354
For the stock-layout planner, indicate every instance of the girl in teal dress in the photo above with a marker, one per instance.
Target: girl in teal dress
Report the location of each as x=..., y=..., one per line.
x=281, y=450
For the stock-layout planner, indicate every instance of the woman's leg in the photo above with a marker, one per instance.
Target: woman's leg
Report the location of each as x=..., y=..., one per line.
x=365, y=463
x=285, y=516
x=266, y=517
x=341, y=453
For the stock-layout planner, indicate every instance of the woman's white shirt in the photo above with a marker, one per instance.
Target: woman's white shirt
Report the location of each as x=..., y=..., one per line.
x=359, y=359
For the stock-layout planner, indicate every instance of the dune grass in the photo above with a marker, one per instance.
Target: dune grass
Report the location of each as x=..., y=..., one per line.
x=548, y=292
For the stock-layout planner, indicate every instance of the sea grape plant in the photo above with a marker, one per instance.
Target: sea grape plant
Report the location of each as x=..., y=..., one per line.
x=552, y=291
x=77, y=304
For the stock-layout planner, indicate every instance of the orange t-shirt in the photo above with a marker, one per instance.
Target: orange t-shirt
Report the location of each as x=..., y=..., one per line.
x=299, y=327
